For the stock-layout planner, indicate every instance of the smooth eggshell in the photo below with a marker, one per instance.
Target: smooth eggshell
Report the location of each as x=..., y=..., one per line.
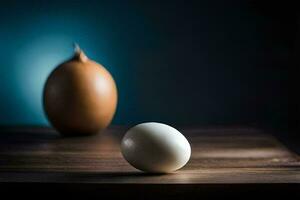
x=155, y=147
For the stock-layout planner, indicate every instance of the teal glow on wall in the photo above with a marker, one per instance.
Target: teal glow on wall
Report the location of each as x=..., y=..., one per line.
x=202, y=62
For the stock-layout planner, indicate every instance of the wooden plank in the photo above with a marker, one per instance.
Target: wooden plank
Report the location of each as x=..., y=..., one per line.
x=219, y=156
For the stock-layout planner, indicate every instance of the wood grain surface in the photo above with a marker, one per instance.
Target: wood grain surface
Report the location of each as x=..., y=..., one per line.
x=219, y=156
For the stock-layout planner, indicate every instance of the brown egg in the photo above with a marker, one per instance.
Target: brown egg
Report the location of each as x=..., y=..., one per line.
x=80, y=96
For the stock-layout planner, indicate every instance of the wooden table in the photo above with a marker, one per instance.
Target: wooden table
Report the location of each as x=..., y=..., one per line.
x=225, y=162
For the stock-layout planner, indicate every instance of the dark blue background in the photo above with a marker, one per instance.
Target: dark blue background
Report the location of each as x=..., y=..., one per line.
x=179, y=62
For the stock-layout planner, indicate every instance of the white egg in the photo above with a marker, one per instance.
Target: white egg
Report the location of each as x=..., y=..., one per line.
x=155, y=147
